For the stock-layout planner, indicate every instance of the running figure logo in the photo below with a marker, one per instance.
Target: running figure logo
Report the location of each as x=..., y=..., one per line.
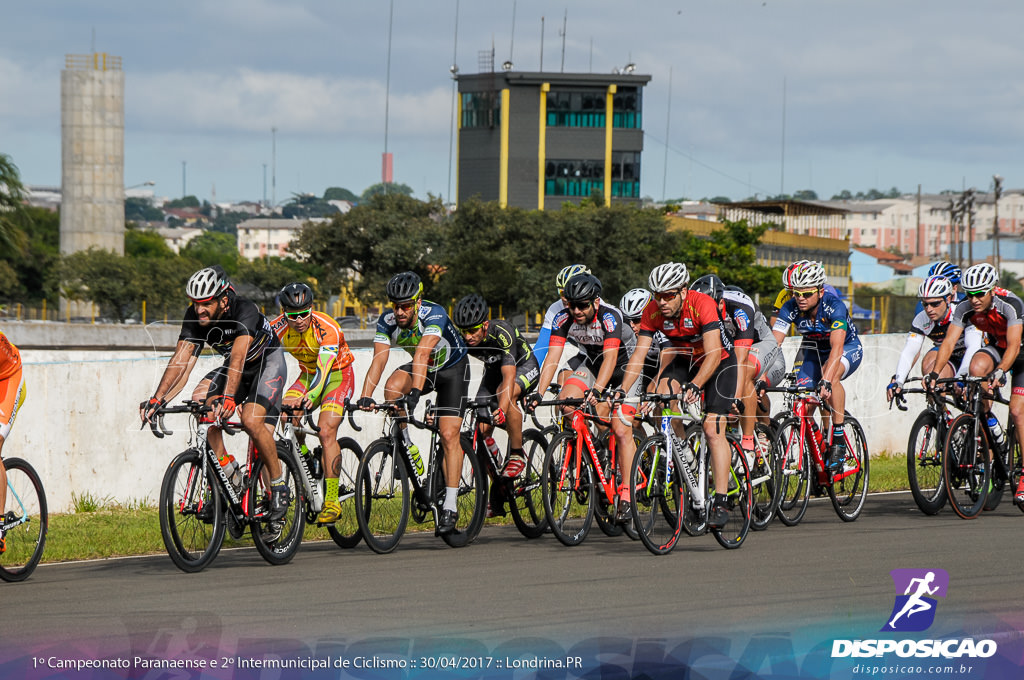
x=916, y=590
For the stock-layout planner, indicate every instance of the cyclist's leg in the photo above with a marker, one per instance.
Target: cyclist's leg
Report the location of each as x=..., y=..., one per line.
x=339, y=388
x=525, y=380
x=1017, y=416
x=452, y=386
x=622, y=430
x=984, y=362
x=211, y=386
x=12, y=395
x=719, y=392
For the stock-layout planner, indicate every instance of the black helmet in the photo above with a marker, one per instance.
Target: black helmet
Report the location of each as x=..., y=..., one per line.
x=404, y=287
x=470, y=311
x=711, y=285
x=582, y=287
x=296, y=296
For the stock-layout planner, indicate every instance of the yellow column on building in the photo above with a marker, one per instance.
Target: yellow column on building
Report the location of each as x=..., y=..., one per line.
x=503, y=169
x=609, y=99
x=542, y=151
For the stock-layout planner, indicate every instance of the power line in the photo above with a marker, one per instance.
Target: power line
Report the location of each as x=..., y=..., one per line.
x=760, y=190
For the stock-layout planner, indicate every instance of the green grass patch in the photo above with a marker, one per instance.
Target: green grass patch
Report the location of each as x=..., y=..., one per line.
x=888, y=472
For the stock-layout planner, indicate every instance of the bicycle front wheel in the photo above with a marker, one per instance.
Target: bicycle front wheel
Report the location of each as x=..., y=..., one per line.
x=965, y=473
x=382, y=498
x=924, y=462
x=795, y=482
x=191, y=512
x=472, y=498
x=527, y=502
x=656, y=496
x=345, y=532
x=765, y=478
x=568, y=488
x=732, y=534
x=849, y=487
x=25, y=520
x=277, y=541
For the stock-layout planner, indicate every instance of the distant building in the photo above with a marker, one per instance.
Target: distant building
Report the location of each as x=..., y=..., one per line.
x=265, y=236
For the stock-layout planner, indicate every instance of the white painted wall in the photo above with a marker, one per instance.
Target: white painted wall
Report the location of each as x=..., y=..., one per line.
x=80, y=428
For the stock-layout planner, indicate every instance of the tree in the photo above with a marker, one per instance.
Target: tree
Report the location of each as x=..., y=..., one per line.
x=110, y=280
x=145, y=243
x=307, y=205
x=387, y=188
x=339, y=194
x=212, y=247
x=141, y=210
x=1009, y=281
x=806, y=195
x=35, y=257
x=12, y=199
x=261, y=280
x=730, y=252
x=184, y=202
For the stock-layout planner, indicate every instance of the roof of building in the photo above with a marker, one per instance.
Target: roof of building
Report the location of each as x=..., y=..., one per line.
x=883, y=256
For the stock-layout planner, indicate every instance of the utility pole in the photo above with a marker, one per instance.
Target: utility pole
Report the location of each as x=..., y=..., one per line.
x=919, y=246
x=969, y=213
x=998, y=181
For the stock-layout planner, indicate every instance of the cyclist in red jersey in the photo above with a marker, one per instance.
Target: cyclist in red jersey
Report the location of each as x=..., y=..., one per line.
x=700, y=359
x=999, y=314
x=12, y=394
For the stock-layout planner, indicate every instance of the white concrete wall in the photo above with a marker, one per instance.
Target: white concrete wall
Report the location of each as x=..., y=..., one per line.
x=80, y=428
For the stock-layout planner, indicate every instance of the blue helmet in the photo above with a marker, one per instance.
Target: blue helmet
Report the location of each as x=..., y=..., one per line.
x=946, y=270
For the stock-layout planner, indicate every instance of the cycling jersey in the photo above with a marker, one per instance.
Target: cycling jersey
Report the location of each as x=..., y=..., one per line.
x=321, y=351
x=698, y=315
x=830, y=315
x=12, y=385
x=540, y=348
x=743, y=321
x=503, y=345
x=432, y=319
x=1006, y=310
x=921, y=328
x=10, y=358
x=241, y=318
x=606, y=330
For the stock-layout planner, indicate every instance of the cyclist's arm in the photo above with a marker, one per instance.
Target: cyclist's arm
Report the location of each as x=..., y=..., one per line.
x=743, y=371
x=908, y=357
x=507, y=388
x=635, y=366
x=376, y=369
x=1013, y=335
x=540, y=348
x=178, y=369
x=324, y=362
x=712, y=357
x=973, y=339
x=551, y=361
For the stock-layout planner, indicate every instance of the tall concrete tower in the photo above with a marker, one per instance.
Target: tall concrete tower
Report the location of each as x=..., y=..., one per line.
x=92, y=153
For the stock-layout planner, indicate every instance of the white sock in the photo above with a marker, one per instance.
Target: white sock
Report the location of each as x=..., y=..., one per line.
x=451, y=498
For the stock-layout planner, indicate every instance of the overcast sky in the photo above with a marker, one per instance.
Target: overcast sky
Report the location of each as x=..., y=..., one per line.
x=878, y=93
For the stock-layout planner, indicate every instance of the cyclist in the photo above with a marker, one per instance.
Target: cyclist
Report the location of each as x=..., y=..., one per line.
x=758, y=355
x=830, y=350
x=423, y=329
x=326, y=379
x=632, y=307
x=936, y=295
x=540, y=348
x=700, y=360
x=998, y=314
x=12, y=394
x=510, y=371
x=251, y=378
x=946, y=270
x=786, y=293
x=605, y=344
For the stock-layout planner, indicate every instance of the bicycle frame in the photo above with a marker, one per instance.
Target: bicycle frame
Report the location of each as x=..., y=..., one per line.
x=584, y=439
x=815, y=440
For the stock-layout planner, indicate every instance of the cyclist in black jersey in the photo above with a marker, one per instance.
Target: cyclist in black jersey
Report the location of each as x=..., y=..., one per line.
x=510, y=370
x=252, y=378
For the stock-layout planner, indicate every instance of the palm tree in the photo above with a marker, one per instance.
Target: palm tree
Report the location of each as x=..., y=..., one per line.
x=12, y=198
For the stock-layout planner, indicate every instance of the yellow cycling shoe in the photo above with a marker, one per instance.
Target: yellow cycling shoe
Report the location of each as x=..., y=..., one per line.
x=330, y=514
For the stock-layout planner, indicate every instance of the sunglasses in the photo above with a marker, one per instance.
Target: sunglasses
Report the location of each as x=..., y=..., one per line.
x=936, y=303
x=976, y=293
x=576, y=304
x=298, y=316
x=403, y=306
x=472, y=329
x=804, y=293
x=666, y=296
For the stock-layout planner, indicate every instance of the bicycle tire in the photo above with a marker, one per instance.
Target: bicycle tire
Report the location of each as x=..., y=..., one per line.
x=695, y=517
x=924, y=462
x=568, y=500
x=277, y=542
x=345, y=532
x=25, y=503
x=795, y=485
x=656, y=493
x=604, y=516
x=472, y=499
x=382, y=504
x=765, y=478
x=1000, y=470
x=1016, y=463
x=963, y=467
x=191, y=512
x=526, y=503
x=734, y=532
x=849, y=492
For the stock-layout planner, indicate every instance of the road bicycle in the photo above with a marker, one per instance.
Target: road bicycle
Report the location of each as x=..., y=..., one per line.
x=972, y=483
x=345, y=531
x=383, y=499
x=198, y=502
x=924, y=447
x=523, y=492
x=24, y=521
x=672, y=483
x=576, y=488
x=800, y=445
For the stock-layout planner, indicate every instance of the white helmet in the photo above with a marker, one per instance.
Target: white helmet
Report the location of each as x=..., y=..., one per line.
x=980, y=277
x=569, y=272
x=633, y=303
x=207, y=283
x=935, y=287
x=808, y=275
x=788, y=273
x=668, y=276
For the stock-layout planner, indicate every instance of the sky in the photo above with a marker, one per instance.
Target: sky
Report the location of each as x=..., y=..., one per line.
x=747, y=97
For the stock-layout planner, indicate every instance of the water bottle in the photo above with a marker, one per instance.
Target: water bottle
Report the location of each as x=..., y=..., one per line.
x=231, y=470
x=998, y=437
x=492, y=446
x=816, y=436
x=312, y=461
x=417, y=459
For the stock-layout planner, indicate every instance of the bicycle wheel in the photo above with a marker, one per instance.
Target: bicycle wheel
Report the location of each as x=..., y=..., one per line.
x=731, y=535
x=1016, y=461
x=795, y=483
x=603, y=514
x=924, y=462
x=999, y=470
x=695, y=516
x=277, y=542
x=568, y=489
x=849, y=486
x=25, y=518
x=526, y=503
x=191, y=512
x=765, y=477
x=472, y=500
x=963, y=466
x=656, y=491
x=382, y=501
x=345, y=532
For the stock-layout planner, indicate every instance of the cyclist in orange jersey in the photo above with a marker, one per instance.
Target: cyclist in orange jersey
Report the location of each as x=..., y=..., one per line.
x=326, y=378
x=12, y=394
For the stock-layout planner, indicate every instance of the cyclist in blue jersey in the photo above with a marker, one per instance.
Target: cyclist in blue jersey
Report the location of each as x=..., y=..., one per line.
x=439, y=364
x=830, y=350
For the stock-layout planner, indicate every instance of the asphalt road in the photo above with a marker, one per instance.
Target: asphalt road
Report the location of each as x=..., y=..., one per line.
x=820, y=580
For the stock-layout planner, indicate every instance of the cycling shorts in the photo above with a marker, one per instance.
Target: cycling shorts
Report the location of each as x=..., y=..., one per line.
x=720, y=390
x=769, y=362
x=340, y=386
x=263, y=384
x=12, y=395
x=451, y=384
x=809, y=374
x=527, y=374
x=1016, y=370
